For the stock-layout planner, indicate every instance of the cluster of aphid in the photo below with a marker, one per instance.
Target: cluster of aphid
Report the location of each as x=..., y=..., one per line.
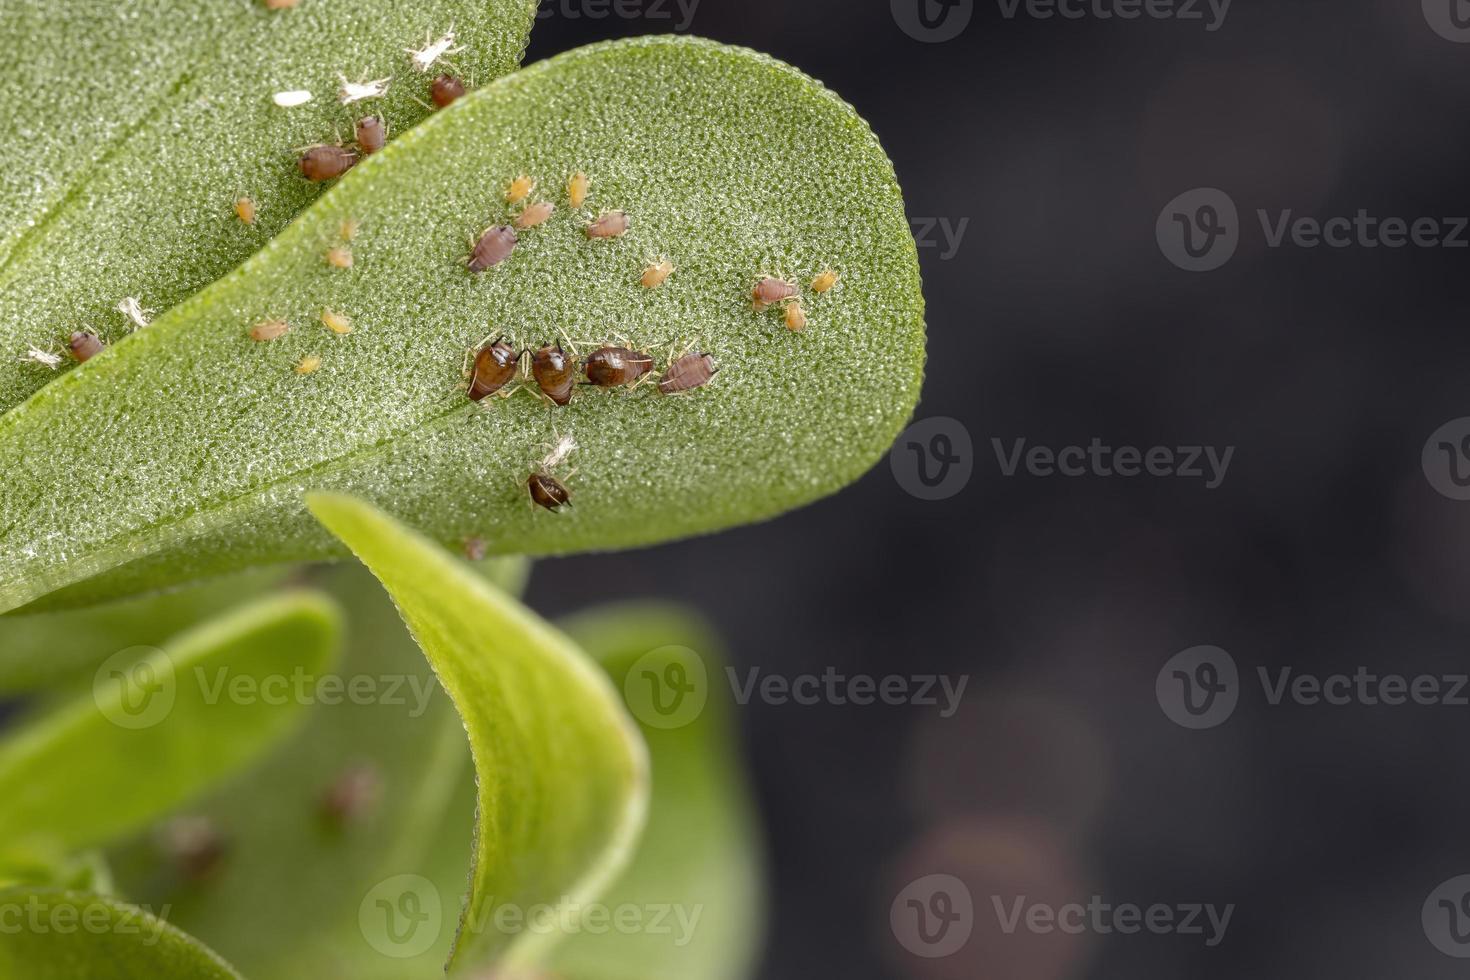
x=784, y=295
x=495, y=244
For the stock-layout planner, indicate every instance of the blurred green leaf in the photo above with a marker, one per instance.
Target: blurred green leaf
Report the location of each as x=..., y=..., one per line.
x=561, y=771
x=66, y=935
x=700, y=855
x=131, y=128
x=155, y=732
x=185, y=450
x=45, y=650
x=299, y=876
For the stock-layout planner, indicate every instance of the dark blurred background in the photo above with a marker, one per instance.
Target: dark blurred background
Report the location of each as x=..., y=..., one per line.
x=1056, y=317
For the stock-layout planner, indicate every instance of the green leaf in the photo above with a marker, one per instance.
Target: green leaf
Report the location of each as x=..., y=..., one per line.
x=186, y=450
x=45, y=650
x=562, y=773
x=699, y=856
x=64, y=935
x=294, y=875
x=156, y=732
x=132, y=128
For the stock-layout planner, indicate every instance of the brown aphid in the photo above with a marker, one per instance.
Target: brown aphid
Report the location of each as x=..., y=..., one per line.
x=548, y=492
x=493, y=247
x=519, y=189
x=353, y=795
x=825, y=280
x=656, y=273
x=555, y=373
x=338, y=323
x=475, y=549
x=245, y=210
x=308, y=364
x=795, y=317
x=193, y=844
x=84, y=345
x=445, y=89
x=323, y=162
x=269, y=330
x=613, y=224
x=577, y=188
x=495, y=367
x=770, y=291
x=687, y=373
x=371, y=134
x=340, y=257
x=534, y=215
x=611, y=367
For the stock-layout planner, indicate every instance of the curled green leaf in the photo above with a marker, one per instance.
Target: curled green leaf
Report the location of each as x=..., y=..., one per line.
x=186, y=450
x=561, y=771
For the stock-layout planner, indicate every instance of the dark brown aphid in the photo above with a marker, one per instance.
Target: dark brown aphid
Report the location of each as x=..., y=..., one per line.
x=353, y=795
x=687, y=373
x=371, y=134
x=495, y=366
x=84, y=345
x=547, y=491
x=555, y=373
x=493, y=248
x=610, y=367
x=614, y=224
x=445, y=89
x=323, y=162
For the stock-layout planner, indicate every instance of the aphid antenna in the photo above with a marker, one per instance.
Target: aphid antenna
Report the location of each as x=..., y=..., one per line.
x=424, y=105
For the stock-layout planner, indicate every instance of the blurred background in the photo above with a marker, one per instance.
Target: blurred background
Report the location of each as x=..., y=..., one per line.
x=1049, y=148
